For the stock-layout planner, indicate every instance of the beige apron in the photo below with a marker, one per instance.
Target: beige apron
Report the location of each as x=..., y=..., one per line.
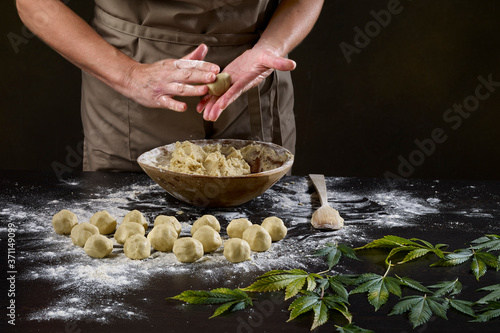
x=117, y=130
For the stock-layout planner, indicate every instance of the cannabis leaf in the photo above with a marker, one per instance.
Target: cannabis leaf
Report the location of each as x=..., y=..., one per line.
x=320, y=304
x=333, y=252
x=378, y=288
x=405, y=281
x=232, y=298
x=292, y=281
x=447, y=287
x=420, y=308
x=415, y=247
x=490, y=242
x=490, y=312
x=479, y=260
x=351, y=328
x=461, y=306
x=494, y=295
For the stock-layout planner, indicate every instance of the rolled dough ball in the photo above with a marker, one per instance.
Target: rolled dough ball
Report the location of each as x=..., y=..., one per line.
x=275, y=227
x=137, y=217
x=137, y=247
x=209, y=238
x=81, y=232
x=220, y=85
x=209, y=220
x=169, y=220
x=258, y=238
x=127, y=229
x=98, y=246
x=162, y=237
x=236, y=250
x=188, y=249
x=104, y=222
x=64, y=221
x=236, y=227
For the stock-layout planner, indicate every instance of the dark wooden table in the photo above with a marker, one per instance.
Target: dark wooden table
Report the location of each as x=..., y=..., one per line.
x=48, y=299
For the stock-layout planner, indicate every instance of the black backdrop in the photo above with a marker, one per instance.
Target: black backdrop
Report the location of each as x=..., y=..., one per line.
x=384, y=88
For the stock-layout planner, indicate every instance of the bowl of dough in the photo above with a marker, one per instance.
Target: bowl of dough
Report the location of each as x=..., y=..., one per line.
x=216, y=173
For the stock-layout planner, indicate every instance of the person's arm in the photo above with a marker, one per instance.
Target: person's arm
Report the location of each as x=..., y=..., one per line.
x=289, y=25
x=151, y=85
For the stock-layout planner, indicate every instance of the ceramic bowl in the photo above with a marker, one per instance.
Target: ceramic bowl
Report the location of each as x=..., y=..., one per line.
x=209, y=191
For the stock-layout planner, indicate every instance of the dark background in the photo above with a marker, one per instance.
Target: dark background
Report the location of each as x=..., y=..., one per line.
x=361, y=118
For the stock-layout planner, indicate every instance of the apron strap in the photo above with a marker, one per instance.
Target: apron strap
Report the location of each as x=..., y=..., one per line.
x=256, y=128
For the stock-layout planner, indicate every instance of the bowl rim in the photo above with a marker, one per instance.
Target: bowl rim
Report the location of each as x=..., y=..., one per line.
x=287, y=164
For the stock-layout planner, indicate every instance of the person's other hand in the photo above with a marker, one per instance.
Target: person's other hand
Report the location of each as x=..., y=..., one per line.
x=247, y=71
x=155, y=85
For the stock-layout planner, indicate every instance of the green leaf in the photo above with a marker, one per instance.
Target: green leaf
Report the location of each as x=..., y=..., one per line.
x=462, y=306
x=348, y=251
x=338, y=288
x=351, y=328
x=490, y=242
x=488, y=313
x=320, y=315
x=405, y=281
x=223, y=308
x=334, y=252
x=447, y=287
x=378, y=288
x=302, y=305
x=388, y=242
x=292, y=281
x=494, y=295
x=455, y=258
x=478, y=267
x=414, y=254
x=420, y=308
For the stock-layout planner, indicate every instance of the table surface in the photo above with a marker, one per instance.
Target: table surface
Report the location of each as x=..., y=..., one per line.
x=58, y=288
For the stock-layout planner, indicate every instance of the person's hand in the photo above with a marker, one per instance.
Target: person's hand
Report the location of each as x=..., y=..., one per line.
x=247, y=71
x=155, y=85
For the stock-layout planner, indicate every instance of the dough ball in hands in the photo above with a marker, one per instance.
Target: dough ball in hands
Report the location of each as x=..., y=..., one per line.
x=137, y=217
x=236, y=227
x=275, y=227
x=127, y=229
x=104, y=222
x=236, y=250
x=188, y=249
x=137, y=247
x=81, y=232
x=209, y=238
x=258, y=238
x=209, y=220
x=169, y=220
x=98, y=246
x=64, y=221
x=162, y=237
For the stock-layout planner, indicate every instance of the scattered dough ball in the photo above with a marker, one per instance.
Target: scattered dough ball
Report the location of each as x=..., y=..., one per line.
x=275, y=227
x=127, y=229
x=236, y=227
x=81, y=232
x=220, y=85
x=137, y=247
x=64, y=221
x=162, y=237
x=209, y=220
x=258, y=238
x=104, y=222
x=236, y=250
x=98, y=246
x=136, y=216
x=209, y=238
x=169, y=220
x=188, y=249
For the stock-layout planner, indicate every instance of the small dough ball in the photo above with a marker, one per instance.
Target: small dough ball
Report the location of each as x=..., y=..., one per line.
x=137, y=217
x=209, y=238
x=81, y=232
x=169, y=220
x=162, y=237
x=275, y=227
x=64, y=221
x=220, y=85
x=206, y=220
x=188, y=249
x=127, y=229
x=258, y=238
x=104, y=222
x=236, y=227
x=98, y=246
x=236, y=250
x=137, y=247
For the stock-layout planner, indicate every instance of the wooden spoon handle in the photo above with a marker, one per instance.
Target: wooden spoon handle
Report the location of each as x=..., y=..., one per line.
x=320, y=185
